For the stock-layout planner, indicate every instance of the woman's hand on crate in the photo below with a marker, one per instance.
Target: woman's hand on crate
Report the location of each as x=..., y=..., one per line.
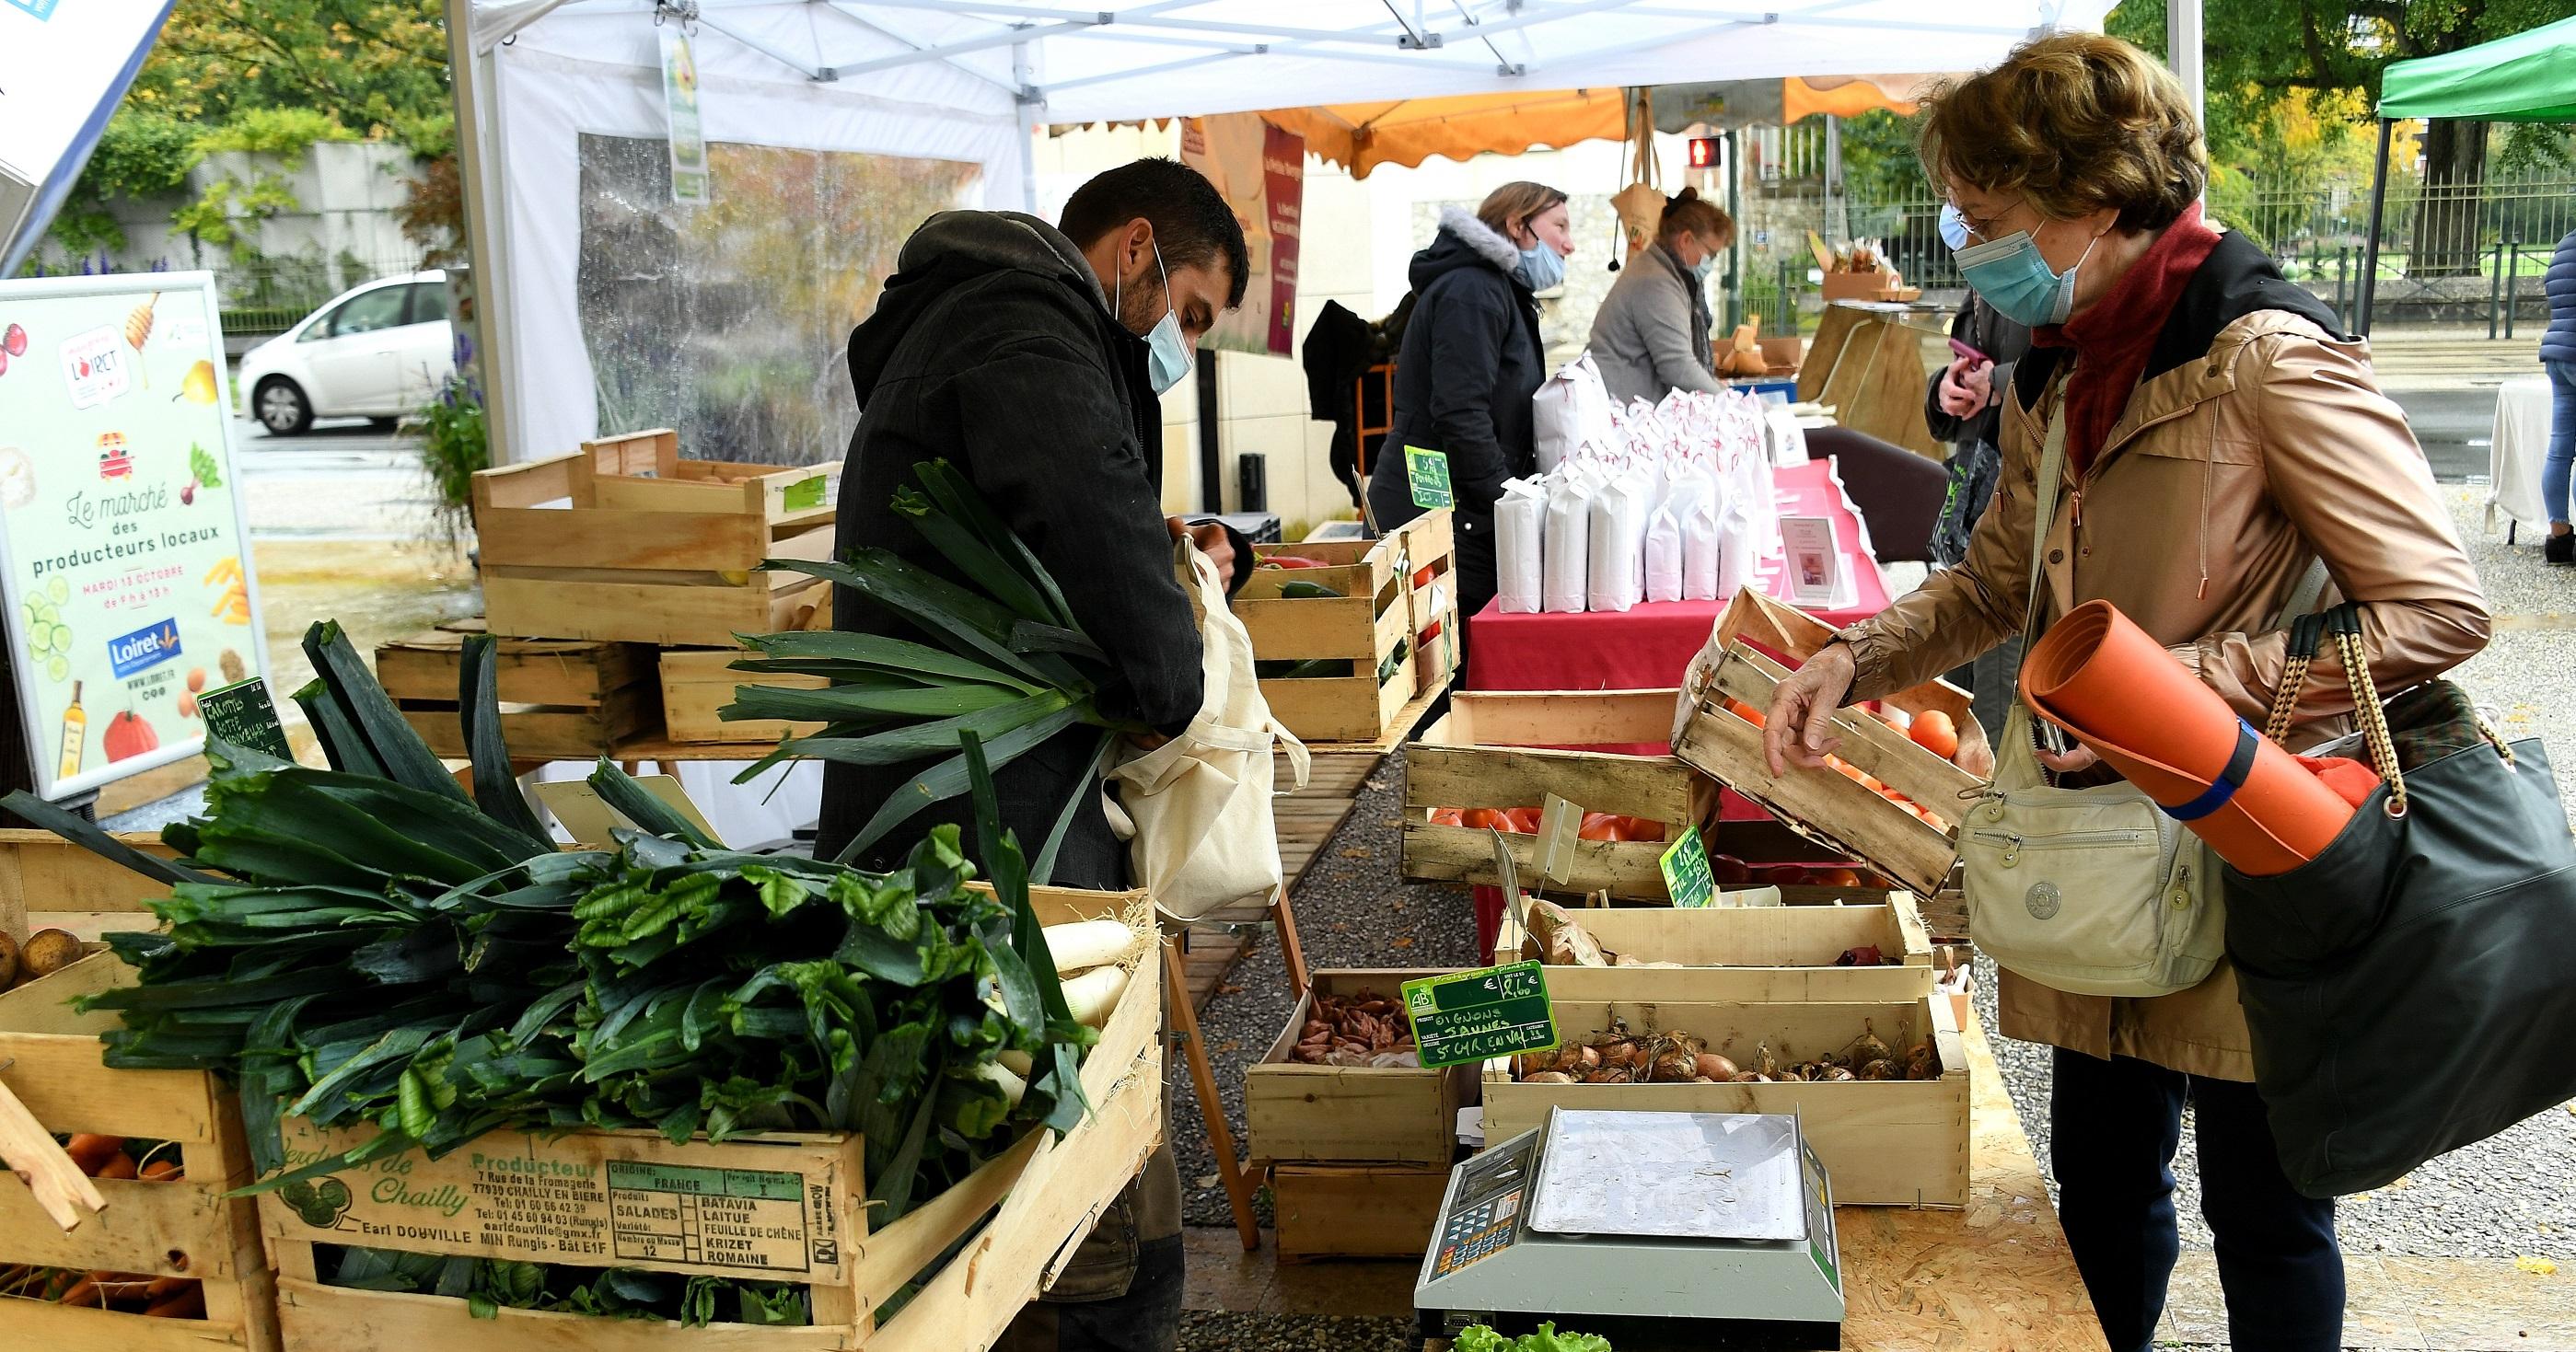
x=1798, y=729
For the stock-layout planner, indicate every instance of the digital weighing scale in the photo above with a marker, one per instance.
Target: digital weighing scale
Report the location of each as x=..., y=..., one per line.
x=1707, y=1229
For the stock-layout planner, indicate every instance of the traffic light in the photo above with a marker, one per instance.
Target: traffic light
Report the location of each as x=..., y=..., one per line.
x=1703, y=152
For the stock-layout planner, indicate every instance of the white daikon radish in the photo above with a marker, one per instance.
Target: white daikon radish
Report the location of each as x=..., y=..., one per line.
x=1088, y=943
x=1019, y=1063
x=1094, y=993
x=1013, y=1087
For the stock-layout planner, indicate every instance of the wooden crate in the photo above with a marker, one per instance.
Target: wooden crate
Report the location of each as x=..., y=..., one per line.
x=561, y=699
x=1375, y=613
x=1746, y=954
x=1496, y=749
x=1346, y=1211
x=1885, y=1143
x=182, y=1228
x=1739, y=663
x=1353, y=1114
x=697, y=683
x=1431, y=591
x=47, y=882
x=526, y=1196
x=626, y=541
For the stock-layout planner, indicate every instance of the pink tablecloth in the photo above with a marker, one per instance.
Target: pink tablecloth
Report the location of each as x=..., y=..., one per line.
x=1651, y=645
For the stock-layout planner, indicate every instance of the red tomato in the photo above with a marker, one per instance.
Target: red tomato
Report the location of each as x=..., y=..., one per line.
x=1478, y=818
x=1597, y=826
x=1729, y=870
x=1447, y=816
x=1639, y=828
x=1520, y=820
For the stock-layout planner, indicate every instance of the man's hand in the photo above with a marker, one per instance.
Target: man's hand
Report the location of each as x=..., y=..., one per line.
x=1967, y=386
x=1212, y=541
x=1797, y=730
x=2077, y=758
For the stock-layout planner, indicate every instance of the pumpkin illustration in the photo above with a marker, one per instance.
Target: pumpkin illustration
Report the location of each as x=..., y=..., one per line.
x=128, y=735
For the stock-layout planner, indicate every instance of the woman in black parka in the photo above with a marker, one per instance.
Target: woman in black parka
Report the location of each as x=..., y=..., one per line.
x=1470, y=362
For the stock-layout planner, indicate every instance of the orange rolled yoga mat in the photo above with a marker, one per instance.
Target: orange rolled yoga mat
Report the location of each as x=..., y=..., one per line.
x=2100, y=677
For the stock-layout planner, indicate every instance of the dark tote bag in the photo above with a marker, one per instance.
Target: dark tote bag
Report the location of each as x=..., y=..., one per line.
x=2409, y=990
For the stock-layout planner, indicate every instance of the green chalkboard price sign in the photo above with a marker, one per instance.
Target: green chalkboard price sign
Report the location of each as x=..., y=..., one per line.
x=241, y=714
x=1429, y=472
x=1686, y=873
x=1466, y=1017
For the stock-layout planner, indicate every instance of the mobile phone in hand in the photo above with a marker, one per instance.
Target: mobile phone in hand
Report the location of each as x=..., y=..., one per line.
x=1970, y=353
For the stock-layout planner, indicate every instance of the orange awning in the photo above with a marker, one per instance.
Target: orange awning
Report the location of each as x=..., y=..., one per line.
x=1362, y=136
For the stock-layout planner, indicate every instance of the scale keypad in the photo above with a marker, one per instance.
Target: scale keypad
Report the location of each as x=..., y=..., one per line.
x=1477, y=1231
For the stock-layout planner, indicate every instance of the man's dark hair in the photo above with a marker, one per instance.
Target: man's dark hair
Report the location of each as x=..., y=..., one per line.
x=1192, y=223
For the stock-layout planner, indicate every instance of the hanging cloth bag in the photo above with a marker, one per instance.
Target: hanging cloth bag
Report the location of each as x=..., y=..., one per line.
x=2408, y=988
x=1196, y=810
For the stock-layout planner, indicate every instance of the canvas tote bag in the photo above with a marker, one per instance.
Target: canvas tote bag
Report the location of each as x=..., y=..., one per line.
x=1196, y=810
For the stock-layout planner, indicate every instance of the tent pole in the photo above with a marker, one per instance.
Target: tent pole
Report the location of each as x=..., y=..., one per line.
x=2183, y=54
x=1032, y=110
x=2370, y=243
x=1735, y=213
x=490, y=325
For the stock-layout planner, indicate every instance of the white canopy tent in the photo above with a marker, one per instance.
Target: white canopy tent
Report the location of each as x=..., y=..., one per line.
x=968, y=80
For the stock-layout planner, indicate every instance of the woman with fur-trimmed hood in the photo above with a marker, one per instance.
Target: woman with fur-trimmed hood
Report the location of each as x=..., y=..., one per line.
x=1470, y=362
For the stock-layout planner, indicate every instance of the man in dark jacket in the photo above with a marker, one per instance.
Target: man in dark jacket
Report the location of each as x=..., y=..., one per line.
x=1031, y=357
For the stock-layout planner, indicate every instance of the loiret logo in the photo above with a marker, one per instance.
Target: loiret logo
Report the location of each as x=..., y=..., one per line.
x=144, y=648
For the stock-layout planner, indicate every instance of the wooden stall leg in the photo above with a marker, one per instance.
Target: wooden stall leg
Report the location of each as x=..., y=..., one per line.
x=1185, y=1028
x=1290, y=953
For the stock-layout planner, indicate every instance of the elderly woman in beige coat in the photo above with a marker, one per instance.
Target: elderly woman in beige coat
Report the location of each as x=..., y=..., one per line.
x=2220, y=437
x=1651, y=335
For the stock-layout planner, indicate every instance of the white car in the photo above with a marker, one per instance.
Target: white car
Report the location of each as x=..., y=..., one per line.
x=376, y=351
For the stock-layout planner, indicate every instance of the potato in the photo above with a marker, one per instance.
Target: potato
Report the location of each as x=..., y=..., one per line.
x=8, y=960
x=49, y=951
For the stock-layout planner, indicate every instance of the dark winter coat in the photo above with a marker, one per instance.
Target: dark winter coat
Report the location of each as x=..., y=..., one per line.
x=1470, y=362
x=2559, y=342
x=994, y=348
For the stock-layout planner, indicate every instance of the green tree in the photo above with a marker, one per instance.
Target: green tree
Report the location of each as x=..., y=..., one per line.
x=2259, y=52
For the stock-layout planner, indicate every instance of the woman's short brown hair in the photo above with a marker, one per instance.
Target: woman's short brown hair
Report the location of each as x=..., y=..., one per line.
x=2075, y=122
x=1687, y=211
x=1511, y=207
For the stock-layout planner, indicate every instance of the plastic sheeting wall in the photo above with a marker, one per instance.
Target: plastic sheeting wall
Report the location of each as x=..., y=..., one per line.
x=727, y=321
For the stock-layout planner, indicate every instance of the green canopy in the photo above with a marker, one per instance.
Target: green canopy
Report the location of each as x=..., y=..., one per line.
x=2529, y=77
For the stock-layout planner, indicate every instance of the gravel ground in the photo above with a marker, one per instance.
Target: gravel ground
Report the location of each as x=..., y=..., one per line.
x=1202, y=1331
x=1352, y=911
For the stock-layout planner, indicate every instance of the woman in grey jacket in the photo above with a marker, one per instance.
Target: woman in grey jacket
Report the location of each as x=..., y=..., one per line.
x=1652, y=335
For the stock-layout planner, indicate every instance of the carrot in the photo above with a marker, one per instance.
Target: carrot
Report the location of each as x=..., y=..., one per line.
x=160, y=1169
x=86, y=1292
x=91, y=1151
x=161, y=1287
x=119, y=1165
x=187, y=1304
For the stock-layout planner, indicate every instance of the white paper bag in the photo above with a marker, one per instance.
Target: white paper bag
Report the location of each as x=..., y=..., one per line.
x=1567, y=552
x=1520, y=534
x=1701, y=540
x=1570, y=410
x=1664, y=552
x=1616, y=579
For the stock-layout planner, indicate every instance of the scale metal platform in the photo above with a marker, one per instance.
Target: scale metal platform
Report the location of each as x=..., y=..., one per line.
x=1710, y=1229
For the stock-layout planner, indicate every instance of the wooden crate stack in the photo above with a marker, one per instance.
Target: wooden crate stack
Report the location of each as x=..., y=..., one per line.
x=1754, y=647
x=1747, y=954
x=793, y=1205
x=618, y=550
x=1509, y=750
x=560, y=699
x=185, y=1228
x=1373, y=617
x=1358, y=1156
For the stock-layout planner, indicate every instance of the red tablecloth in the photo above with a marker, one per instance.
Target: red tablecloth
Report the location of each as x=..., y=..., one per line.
x=1649, y=646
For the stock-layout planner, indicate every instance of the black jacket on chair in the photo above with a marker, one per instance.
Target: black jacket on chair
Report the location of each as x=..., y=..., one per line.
x=1471, y=360
x=994, y=348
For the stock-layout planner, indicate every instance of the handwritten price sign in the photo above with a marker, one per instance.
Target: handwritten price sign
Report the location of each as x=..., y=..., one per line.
x=1465, y=1017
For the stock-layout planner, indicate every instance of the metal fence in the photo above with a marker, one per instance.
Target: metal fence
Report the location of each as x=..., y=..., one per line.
x=260, y=295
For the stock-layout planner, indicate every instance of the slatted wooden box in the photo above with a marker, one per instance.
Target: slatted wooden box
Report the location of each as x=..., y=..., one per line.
x=1355, y=1210
x=1746, y=954
x=1353, y=1114
x=626, y=541
x=47, y=882
x=1884, y=1142
x=561, y=699
x=697, y=683
x=1377, y=612
x=608, y=1199
x=1498, y=749
x=1740, y=664
x=1431, y=589
x=175, y=1228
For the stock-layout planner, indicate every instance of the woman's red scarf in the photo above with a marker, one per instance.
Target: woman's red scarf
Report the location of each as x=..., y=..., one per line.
x=2112, y=339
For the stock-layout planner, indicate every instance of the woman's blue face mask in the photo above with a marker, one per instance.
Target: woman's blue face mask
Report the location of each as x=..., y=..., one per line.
x=2012, y=276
